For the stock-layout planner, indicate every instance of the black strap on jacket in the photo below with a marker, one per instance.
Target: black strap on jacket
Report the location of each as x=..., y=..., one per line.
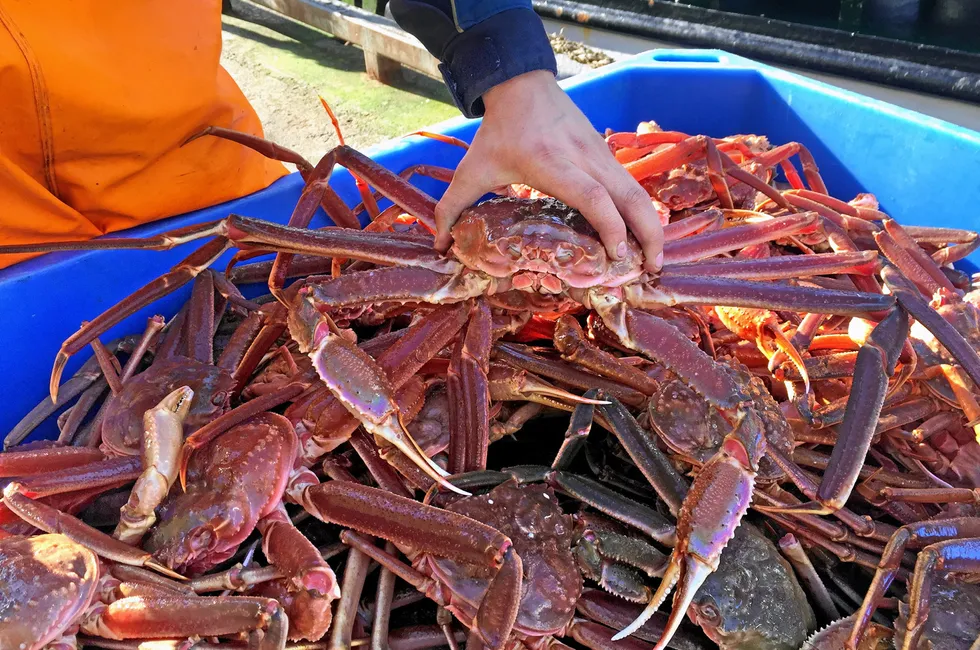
x=480, y=43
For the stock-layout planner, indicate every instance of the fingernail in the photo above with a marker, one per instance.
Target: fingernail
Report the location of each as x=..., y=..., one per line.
x=621, y=250
x=659, y=262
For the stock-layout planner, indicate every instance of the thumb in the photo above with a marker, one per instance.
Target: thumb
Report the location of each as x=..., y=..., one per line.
x=472, y=180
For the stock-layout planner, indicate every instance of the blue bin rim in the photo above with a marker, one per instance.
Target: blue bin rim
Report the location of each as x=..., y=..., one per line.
x=682, y=58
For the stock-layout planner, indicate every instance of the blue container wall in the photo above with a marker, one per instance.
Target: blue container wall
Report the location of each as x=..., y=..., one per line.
x=923, y=171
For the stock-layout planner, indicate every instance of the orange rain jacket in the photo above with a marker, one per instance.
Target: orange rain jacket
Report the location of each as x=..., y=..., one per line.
x=96, y=100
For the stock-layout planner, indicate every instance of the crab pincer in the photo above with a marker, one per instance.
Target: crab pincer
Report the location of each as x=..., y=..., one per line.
x=712, y=510
x=163, y=435
x=361, y=386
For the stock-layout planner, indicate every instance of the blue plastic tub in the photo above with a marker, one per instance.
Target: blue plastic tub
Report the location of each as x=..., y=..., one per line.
x=924, y=171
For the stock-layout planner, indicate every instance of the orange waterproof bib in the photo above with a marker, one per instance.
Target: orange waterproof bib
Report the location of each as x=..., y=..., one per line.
x=96, y=99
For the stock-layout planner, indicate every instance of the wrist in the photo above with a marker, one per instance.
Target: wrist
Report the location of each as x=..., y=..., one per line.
x=529, y=84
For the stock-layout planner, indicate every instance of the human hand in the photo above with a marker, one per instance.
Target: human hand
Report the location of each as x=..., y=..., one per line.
x=532, y=133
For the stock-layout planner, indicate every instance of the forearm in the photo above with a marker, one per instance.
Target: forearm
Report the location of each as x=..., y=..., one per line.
x=480, y=44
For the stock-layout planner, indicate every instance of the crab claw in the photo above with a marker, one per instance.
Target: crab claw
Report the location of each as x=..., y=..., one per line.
x=362, y=387
x=712, y=510
x=786, y=346
x=690, y=572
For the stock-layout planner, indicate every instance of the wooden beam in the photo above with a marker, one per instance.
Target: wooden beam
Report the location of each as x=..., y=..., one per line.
x=386, y=46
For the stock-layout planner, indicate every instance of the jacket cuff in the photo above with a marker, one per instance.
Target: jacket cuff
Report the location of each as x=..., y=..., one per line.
x=489, y=53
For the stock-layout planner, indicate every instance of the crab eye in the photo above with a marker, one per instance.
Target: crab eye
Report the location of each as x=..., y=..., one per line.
x=515, y=251
x=710, y=614
x=564, y=255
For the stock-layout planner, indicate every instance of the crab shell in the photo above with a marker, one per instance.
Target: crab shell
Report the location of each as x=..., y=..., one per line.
x=691, y=427
x=753, y=601
x=542, y=535
x=237, y=479
x=46, y=583
x=543, y=246
x=122, y=428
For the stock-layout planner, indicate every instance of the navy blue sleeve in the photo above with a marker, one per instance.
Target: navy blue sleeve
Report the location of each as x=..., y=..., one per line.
x=480, y=43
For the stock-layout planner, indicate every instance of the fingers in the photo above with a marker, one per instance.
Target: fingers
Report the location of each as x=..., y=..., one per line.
x=637, y=210
x=577, y=189
x=472, y=180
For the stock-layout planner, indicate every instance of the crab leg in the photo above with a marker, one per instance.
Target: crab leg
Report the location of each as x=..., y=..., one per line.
x=469, y=394
x=87, y=375
x=841, y=242
x=245, y=233
x=443, y=174
x=782, y=268
x=710, y=219
x=383, y=473
x=521, y=357
x=100, y=473
x=784, y=152
x=930, y=495
x=614, y=505
x=910, y=299
x=831, y=366
x=842, y=207
x=364, y=389
x=642, y=449
x=671, y=290
x=428, y=529
x=53, y=521
x=794, y=552
x=698, y=247
x=396, y=189
x=515, y=421
x=571, y=341
x=853, y=224
x=332, y=204
x=707, y=521
x=908, y=265
x=295, y=556
x=50, y=459
x=417, y=345
x=508, y=384
x=941, y=550
x=179, y=275
x=657, y=339
x=258, y=272
x=397, y=283
x=155, y=617
x=876, y=362
x=901, y=237
x=955, y=253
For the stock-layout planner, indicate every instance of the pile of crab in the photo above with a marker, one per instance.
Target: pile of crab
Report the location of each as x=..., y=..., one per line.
x=520, y=443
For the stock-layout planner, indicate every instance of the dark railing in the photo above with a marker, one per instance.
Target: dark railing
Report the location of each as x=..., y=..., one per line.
x=812, y=35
